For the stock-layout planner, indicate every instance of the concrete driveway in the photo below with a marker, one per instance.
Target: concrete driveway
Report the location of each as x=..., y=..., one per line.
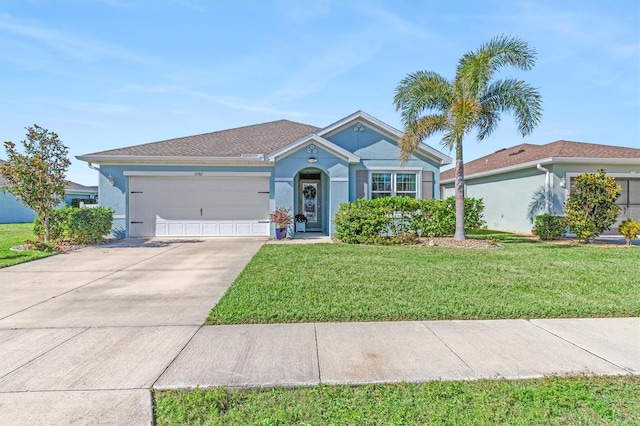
x=84, y=335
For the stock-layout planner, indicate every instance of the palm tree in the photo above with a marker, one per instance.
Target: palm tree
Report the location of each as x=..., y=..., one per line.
x=429, y=103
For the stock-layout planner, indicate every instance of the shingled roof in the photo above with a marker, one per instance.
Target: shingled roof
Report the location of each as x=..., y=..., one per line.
x=528, y=153
x=255, y=139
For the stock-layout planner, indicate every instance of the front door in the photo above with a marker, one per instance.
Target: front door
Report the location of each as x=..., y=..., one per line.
x=310, y=203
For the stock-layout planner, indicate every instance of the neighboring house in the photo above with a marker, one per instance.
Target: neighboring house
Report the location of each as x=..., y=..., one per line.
x=227, y=182
x=13, y=211
x=520, y=182
x=75, y=190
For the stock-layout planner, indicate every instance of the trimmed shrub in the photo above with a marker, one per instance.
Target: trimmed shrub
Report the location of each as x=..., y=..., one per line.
x=550, y=227
x=630, y=229
x=88, y=226
x=401, y=220
x=80, y=226
x=591, y=208
x=58, y=221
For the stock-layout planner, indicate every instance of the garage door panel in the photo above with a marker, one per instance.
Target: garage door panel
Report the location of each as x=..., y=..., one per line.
x=203, y=206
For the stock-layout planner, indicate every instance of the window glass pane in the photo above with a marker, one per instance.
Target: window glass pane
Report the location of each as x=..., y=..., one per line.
x=405, y=182
x=381, y=182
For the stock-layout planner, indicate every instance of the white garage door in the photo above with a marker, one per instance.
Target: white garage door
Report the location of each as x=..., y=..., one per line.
x=198, y=206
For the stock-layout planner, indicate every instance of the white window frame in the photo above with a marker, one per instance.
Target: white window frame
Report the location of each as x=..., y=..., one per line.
x=394, y=173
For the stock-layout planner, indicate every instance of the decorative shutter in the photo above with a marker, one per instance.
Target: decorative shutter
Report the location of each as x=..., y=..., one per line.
x=427, y=184
x=362, y=183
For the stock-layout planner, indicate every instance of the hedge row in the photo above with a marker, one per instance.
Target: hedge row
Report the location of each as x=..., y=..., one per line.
x=390, y=220
x=79, y=226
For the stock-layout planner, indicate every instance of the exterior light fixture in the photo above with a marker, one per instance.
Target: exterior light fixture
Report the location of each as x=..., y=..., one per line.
x=312, y=150
x=111, y=179
x=563, y=183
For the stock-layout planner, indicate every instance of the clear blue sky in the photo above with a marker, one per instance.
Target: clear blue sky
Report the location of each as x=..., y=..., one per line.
x=112, y=73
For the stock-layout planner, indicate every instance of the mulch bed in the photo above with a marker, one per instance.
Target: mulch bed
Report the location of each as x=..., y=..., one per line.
x=63, y=247
x=472, y=243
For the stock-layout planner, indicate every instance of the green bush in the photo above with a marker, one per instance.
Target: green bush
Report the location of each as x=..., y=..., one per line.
x=591, y=208
x=89, y=225
x=79, y=226
x=550, y=227
x=58, y=221
x=630, y=229
x=400, y=220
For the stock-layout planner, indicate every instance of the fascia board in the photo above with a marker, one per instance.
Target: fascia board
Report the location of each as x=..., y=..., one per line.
x=80, y=191
x=502, y=170
x=164, y=160
x=592, y=160
x=550, y=160
x=350, y=157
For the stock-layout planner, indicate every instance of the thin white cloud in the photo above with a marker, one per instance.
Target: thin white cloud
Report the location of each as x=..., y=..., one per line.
x=189, y=4
x=227, y=101
x=119, y=4
x=79, y=46
x=93, y=107
x=348, y=51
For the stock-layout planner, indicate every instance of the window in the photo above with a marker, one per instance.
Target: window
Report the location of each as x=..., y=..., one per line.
x=387, y=184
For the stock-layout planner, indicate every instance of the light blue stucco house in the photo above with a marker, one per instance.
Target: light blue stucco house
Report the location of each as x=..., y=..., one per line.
x=226, y=183
x=523, y=181
x=13, y=211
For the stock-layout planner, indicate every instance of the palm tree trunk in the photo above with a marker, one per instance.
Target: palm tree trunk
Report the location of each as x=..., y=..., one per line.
x=459, y=191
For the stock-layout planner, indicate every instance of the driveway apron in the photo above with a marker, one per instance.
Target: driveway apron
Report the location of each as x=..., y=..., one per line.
x=85, y=334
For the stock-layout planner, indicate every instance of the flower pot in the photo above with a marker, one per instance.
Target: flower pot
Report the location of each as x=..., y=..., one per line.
x=301, y=226
x=281, y=233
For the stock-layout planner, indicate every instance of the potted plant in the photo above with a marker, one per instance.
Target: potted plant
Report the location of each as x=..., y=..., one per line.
x=281, y=217
x=301, y=222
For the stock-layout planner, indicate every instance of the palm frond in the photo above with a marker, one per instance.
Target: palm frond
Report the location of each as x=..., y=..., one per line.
x=420, y=92
x=476, y=69
x=487, y=122
x=518, y=97
x=423, y=128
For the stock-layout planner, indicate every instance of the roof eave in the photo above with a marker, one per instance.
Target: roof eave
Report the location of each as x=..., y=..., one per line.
x=545, y=161
x=155, y=159
x=348, y=156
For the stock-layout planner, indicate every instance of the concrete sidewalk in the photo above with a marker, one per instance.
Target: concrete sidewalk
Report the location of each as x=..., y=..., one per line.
x=359, y=353
x=103, y=375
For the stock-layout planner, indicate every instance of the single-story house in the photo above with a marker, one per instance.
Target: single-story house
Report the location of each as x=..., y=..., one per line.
x=226, y=183
x=523, y=181
x=13, y=211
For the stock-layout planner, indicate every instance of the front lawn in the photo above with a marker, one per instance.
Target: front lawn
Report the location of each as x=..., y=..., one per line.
x=546, y=401
x=14, y=234
x=339, y=282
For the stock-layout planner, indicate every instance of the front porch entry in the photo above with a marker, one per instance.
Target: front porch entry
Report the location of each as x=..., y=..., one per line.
x=311, y=198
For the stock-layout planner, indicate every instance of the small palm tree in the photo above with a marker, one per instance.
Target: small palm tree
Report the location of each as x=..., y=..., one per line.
x=429, y=103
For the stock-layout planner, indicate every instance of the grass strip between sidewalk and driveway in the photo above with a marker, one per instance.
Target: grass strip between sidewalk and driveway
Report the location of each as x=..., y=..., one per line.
x=340, y=282
x=14, y=234
x=545, y=401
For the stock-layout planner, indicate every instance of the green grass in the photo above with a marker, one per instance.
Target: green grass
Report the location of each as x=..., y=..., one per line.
x=14, y=234
x=339, y=282
x=546, y=401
